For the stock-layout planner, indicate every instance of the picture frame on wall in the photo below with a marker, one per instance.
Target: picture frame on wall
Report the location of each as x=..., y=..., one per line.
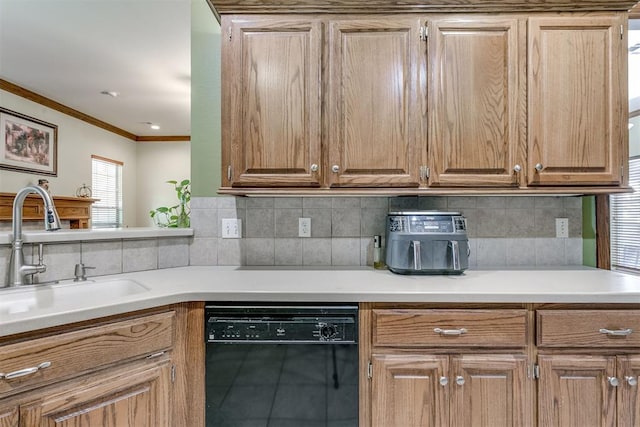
x=28, y=144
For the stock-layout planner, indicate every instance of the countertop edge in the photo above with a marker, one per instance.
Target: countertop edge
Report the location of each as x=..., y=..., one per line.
x=187, y=284
x=95, y=234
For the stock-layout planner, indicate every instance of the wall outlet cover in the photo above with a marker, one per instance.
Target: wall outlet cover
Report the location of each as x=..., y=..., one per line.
x=304, y=227
x=231, y=228
x=562, y=228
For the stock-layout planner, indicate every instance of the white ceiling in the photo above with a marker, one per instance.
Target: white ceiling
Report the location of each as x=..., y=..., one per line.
x=71, y=50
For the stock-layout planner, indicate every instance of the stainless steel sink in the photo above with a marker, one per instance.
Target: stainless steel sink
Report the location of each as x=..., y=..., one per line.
x=66, y=295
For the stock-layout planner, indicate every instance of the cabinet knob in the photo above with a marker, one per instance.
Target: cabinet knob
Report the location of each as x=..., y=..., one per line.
x=444, y=381
x=539, y=167
x=517, y=168
x=460, y=380
x=613, y=381
x=335, y=168
x=314, y=168
x=632, y=381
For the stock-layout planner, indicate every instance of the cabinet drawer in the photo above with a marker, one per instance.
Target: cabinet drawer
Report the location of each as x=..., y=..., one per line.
x=588, y=328
x=73, y=353
x=450, y=328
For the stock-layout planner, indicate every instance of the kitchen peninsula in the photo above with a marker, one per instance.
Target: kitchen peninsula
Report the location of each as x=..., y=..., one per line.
x=514, y=327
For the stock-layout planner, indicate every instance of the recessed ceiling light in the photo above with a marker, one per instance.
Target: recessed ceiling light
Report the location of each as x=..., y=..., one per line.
x=151, y=125
x=111, y=93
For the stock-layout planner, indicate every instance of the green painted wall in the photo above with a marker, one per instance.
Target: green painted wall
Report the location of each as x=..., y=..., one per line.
x=205, y=100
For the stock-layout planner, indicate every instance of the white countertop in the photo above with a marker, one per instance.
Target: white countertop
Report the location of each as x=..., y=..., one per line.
x=67, y=235
x=168, y=286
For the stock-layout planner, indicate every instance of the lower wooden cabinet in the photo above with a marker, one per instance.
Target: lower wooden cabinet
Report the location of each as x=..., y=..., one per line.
x=457, y=390
x=406, y=390
x=585, y=390
x=138, y=397
x=489, y=390
x=137, y=370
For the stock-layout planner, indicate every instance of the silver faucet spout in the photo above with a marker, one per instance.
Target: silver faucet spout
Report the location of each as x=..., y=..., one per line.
x=18, y=270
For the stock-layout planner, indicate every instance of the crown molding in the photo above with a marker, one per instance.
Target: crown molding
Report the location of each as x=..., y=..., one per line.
x=54, y=105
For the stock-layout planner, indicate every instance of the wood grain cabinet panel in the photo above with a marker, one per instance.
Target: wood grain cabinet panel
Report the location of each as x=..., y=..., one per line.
x=375, y=101
x=577, y=100
x=130, y=398
x=406, y=391
x=73, y=353
x=449, y=328
x=474, y=122
x=9, y=417
x=588, y=328
x=419, y=377
x=628, y=371
x=489, y=391
x=574, y=391
x=271, y=101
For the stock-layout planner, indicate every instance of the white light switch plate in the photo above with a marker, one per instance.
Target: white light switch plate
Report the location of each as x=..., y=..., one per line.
x=231, y=228
x=304, y=227
x=562, y=227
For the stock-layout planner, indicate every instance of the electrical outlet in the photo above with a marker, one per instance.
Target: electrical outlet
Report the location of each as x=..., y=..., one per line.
x=304, y=227
x=231, y=228
x=562, y=227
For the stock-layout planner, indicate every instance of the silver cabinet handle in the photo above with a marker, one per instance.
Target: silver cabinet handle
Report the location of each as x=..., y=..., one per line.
x=539, y=167
x=616, y=333
x=444, y=381
x=460, y=380
x=25, y=371
x=314, y=168
x=335, y=168
x=459, y=331
x=632, y=381
x=613, y=381
x=517, y=168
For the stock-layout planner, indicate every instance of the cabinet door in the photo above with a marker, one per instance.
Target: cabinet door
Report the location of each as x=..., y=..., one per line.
x=574, y=391
x=476, y=75
x=406, y=391
x=9, y=416
x=375, y=113
x=489, y=391
x=271, y=101
x=628, y=391
x=577, y=100
x=132, y=398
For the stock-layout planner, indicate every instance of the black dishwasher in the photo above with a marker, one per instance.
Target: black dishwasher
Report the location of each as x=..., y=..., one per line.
x=279, y=365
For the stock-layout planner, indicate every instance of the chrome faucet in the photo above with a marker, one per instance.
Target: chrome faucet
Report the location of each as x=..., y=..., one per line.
x=18, y=270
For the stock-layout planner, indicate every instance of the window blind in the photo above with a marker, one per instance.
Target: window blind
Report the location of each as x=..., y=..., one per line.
x=106, y=184
x=625, y=223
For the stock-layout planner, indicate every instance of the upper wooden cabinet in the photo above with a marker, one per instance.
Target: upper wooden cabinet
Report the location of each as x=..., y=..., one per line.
x=271, y=101
x=577, y=100
x=475, y=83
x=424, y=103
x=375, y=102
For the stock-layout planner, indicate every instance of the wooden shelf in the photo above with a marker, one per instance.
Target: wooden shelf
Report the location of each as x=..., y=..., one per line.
x=77, y=210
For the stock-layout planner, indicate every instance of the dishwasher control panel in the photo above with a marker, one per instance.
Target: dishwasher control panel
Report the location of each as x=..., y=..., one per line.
x=277, y=324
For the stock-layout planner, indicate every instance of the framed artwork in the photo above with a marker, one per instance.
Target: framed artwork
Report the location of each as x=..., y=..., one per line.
x=28, y=144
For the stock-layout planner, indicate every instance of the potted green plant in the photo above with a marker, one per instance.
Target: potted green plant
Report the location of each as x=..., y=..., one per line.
x=176, y=216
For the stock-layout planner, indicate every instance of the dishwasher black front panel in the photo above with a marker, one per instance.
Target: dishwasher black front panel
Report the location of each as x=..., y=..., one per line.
x=261, y=375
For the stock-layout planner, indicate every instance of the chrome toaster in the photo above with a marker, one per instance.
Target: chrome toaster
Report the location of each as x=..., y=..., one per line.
x=427, y=242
